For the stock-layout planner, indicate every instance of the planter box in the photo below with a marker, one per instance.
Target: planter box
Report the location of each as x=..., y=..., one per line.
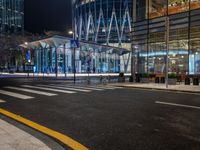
x=172, y=81
x=137, y=79
x=195, y=81
x=157, y=80
x=162, y=80
x=145, y=80
x=187, y=81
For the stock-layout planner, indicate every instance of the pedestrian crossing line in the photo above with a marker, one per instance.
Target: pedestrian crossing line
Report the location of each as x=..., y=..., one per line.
x=16, y=95
x=49, y=89
x=31, y=91
x=2, y=101
x=103, y=87
x=98, y=87
x=66, y=88
x=79, y=87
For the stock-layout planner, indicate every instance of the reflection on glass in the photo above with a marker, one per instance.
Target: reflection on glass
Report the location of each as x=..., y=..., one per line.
x=194, y=4
x=157, y=8
x=177, y=6
x=194, y=57
x=156, y=57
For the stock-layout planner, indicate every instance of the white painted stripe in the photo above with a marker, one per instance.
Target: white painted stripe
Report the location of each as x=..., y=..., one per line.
x=65, y=88
x=178, y=105
x=79, y=87
x=31, y=91
x=48, y=89
x=2, y=101
x=16, y=95
x=104, y=87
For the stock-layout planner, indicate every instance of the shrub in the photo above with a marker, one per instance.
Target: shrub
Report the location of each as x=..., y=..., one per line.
x=145, y=75
x=172, y=75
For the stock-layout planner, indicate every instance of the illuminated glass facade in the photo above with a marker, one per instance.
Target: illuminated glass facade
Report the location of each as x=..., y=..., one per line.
x=11, y=16
x=104, y=21
x=149, y=36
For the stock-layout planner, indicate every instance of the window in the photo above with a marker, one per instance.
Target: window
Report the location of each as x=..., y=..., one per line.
x=157, y=8
x=194, y=4
x=177, y=6
x=141, y=10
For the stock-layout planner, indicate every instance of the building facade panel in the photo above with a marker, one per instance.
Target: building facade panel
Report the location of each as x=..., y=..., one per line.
x=11, y=16
x=104, y=21
x=149, y=36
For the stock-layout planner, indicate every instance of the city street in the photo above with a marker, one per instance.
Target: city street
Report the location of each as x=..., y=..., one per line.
x=103, y=117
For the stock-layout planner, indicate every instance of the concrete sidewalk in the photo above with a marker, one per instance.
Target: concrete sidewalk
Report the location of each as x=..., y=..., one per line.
x=13, y=138
x=179, y=87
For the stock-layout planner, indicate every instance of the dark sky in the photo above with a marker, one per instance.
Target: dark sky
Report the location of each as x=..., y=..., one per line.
x=43, y=15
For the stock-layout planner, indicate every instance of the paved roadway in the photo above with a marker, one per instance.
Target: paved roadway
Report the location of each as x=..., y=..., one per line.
x=107, y=118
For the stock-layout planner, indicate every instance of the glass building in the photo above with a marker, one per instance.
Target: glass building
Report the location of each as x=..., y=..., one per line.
x=150, y=41
x=104, y=21
x=107, y=22
x=11, y=16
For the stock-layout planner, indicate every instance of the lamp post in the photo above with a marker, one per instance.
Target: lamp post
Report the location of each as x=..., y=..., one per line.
x=167, y=49
x=133, y=70
x=74, y=58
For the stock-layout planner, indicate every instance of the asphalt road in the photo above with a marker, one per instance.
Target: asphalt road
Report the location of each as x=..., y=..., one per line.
x=111, y=119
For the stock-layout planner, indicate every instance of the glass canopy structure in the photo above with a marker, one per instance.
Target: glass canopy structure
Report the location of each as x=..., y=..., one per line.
x=57, y=55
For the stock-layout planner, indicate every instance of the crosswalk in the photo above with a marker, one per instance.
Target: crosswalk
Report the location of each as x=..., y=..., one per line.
x=48, y=90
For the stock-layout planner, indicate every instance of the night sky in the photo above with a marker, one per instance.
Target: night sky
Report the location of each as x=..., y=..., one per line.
x=47, y=15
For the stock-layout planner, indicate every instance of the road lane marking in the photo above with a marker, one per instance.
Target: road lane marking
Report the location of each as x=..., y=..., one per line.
x=65, y=88
x=178, y=105
x=16, y=95
x=30, y=91
x=52, y=133
x=2, y=101
x=79, y=87
x=48, y=89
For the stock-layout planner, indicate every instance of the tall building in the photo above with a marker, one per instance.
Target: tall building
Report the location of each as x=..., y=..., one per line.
x=104, y=21
x=151, y=19
x=11, y=16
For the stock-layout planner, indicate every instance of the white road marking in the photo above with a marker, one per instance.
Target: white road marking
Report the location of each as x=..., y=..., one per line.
x=48, y=89
x=178, y=105
x=80, y=87
x=65, y=88
x=2, y=101
x=104, y=87
x=16, y=95
x=31, y=91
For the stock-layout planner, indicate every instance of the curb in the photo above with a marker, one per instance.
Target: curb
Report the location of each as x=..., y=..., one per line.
x=149, y=88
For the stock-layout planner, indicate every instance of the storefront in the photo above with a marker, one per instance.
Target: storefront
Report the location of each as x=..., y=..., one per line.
x=150, y=41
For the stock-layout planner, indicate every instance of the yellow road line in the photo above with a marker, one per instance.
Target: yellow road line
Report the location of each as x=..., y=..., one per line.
x=61, y=137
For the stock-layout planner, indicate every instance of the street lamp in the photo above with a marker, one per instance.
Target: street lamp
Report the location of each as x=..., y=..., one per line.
x=74, y=50
x=167, y=49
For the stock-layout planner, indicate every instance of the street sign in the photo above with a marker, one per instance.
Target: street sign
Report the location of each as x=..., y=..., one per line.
x=74, y=43
x=28, y=56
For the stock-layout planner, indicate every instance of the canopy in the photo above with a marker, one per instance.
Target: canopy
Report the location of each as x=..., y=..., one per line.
x=57, y=41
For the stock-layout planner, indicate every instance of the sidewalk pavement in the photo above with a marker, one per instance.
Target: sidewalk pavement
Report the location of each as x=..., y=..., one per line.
x=13, y=138
x=179, y=87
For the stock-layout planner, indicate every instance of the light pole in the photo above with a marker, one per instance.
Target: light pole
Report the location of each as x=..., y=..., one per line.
x=134, y=48
x=167, y=49
x=74, y=51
